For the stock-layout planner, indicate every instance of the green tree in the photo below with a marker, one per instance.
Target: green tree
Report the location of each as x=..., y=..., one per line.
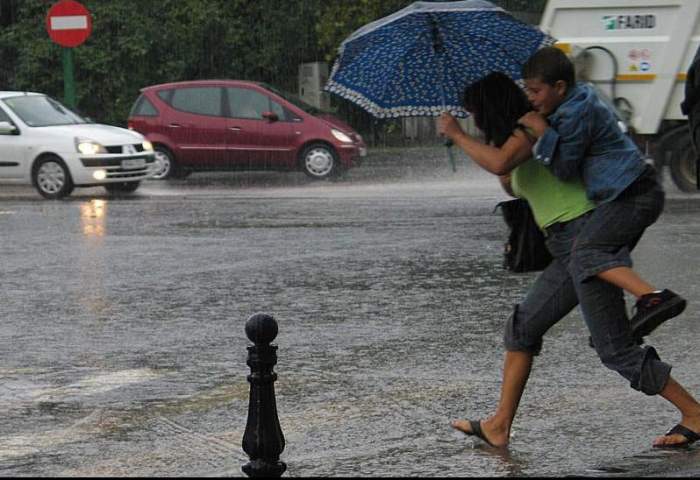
x=338, y=19
x=136, y=43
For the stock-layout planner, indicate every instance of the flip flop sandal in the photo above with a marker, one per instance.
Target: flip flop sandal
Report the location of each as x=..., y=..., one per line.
x=477, y=432
x=690, y=436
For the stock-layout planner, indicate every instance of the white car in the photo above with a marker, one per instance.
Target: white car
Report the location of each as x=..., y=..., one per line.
x=46, y=144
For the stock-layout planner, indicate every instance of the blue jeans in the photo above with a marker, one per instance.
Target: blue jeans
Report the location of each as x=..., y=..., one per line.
x=555, y=293
x=613, y=229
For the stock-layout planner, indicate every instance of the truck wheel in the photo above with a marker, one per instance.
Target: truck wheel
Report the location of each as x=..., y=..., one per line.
x=666, y=146
x=683, y=166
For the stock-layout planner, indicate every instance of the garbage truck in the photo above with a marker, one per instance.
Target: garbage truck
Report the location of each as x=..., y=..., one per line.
x=637, y=52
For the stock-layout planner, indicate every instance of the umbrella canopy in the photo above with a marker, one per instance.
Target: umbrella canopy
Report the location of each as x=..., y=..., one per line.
x=417, y=61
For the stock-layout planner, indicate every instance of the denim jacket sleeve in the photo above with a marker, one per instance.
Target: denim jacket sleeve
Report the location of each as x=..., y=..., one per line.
x=563, y=146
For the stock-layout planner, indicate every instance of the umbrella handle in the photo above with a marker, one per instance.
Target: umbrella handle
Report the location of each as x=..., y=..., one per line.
x=450, y=154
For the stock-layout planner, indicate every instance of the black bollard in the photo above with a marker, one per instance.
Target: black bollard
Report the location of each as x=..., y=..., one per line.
x=263, y=440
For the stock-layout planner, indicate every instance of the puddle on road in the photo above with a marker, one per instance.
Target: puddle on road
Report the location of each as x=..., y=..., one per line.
x=268, y=225
x=389, y=328
x=41, y=408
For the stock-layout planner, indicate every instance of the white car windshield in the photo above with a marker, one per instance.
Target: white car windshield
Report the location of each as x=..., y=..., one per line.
x=41, y=111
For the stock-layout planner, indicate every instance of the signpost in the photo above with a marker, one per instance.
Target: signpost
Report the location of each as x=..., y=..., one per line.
x=69, y=24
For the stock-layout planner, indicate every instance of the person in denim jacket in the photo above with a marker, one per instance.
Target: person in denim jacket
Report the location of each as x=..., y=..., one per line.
x=585, y=140
x=579, y=136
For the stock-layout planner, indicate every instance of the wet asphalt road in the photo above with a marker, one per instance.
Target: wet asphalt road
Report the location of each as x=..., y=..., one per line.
x=124, y=351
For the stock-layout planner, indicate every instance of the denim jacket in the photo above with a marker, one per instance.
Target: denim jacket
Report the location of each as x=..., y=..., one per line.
x=584, y=140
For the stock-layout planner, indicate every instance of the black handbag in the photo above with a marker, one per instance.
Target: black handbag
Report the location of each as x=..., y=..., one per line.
x=525, y=250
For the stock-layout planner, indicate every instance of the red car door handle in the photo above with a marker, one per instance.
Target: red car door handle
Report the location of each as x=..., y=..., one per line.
x=175, y=125
x=235, y=129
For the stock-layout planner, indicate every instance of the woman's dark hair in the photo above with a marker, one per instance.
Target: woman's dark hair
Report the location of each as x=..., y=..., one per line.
x=496, y=103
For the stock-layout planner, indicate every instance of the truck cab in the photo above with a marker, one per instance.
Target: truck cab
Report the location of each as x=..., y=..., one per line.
x=637, y=52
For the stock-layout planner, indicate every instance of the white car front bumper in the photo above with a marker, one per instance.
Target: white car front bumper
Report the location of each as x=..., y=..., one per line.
x=111, y=168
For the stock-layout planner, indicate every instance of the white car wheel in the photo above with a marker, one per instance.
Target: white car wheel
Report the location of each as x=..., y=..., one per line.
x=52, y=179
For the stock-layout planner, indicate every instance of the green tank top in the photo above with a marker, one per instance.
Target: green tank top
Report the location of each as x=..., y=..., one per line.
x=551, y=199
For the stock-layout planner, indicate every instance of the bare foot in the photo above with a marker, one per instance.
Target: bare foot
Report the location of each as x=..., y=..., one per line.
x=678, y=439
x=494, y=433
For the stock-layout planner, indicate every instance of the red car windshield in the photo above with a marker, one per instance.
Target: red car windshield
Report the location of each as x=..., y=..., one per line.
x=294, y=100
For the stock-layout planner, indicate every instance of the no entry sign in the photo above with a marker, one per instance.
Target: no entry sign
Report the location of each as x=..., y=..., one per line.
x=69, y=23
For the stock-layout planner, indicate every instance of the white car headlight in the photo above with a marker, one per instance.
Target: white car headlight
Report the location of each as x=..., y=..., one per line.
x=341, y=136
x=147, y=146
x=89, y=147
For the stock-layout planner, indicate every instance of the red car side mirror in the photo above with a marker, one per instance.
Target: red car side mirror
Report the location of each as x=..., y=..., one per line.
x=270, y=116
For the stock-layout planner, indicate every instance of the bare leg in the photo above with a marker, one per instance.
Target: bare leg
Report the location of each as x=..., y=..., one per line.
x=689, y=408
x=516, y=371
x=628, y=280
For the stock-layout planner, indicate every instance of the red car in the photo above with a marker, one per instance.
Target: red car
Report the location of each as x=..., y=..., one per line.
x=207, y=125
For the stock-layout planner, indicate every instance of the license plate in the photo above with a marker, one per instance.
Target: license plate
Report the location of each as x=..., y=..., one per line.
x=363, y=152
x=132, y=163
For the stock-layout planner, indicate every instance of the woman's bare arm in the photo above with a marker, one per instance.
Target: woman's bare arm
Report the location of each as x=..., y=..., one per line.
x=497, y=160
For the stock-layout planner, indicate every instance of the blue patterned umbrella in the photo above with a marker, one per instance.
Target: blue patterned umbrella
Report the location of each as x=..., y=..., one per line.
x=417, y=61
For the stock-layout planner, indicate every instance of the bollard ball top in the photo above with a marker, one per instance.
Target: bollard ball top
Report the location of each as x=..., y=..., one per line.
x=261, y=328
